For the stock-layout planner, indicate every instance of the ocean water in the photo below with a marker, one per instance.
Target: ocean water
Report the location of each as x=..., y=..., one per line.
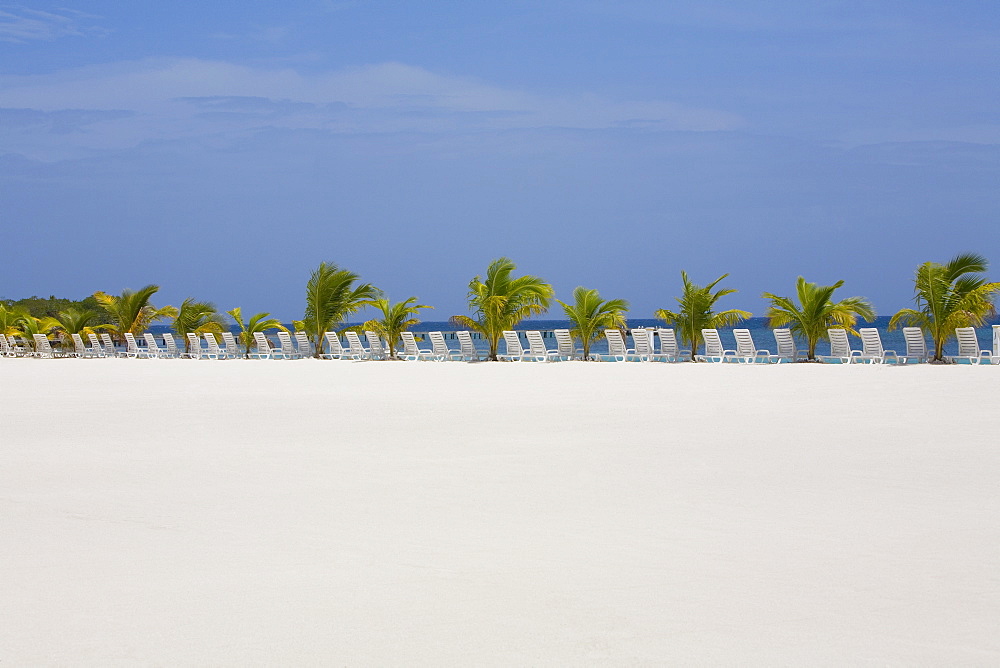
x=761, y=333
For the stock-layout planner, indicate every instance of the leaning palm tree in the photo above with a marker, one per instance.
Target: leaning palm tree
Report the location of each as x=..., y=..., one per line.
x=194, y=317
x=10, y=318
x=501, y=301
x=77, y=321
x=590, y=314
x=396, y=319
x=28, y=325
x=948, y=296
x=259, y=322
x=695, y=311
x=331, y=296
x=131, y=311
x=816, y=311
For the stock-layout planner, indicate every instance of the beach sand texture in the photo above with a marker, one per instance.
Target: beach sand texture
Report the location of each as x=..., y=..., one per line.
x=171, y=512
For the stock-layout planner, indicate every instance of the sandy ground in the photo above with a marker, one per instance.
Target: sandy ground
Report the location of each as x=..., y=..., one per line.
x=184, y=513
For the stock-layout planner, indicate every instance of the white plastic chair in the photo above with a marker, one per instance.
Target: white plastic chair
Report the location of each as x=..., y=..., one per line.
x=231, y=349
x=152, y=349
x=871, y=349
x=537, y=349
x=173, y=350
x=109, y=345
x=565, y=345
x=787, y=351
x=714, y=350
x=377, y=350
x=304, y=348
x=43, y=348
x=413, y=352
x=467, y=347
x=440, y=347
x=286, y=349
x=840, y=347
x=669, y=350
x=916, y=346
x=747, y=351
x=617, y=351
x=515, y=351
x=642, y=340
x=334, y=351
x=356, y=350
x=96, y=346
x=968, y=347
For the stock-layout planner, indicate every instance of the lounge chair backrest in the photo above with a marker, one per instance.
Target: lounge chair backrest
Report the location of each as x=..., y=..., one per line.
x=840, y=345
x=375, y=346
x=213, y=344
x=194, y=345
x=745, y=346
x=151, y=347
x=968, y=342
x=131, y=347
x=285, y=344
x=713, y=342
x=302, y=341
x=641, y=341
x=916, y=344
x=616, y=342
x=262, y=344
x=996, y=341
x=354, y=342
x=785, y=343
x=109, y=345
x=536, y=344
x=668, y=342
x=172, y=349
x=565, y=344
x=438, y=345
x=4, y=346
x=42, y=346
x=871, y=342
x=79, y=346
x=409, y=344
x=232, y=348
x=466, y=345
x=514, y=348
x=95, y=345
x=333, y=347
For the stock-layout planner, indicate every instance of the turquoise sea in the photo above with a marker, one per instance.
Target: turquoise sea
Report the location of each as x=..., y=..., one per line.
x=762, y=336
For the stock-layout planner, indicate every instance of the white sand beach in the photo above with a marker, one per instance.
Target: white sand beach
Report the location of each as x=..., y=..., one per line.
x=181, y=513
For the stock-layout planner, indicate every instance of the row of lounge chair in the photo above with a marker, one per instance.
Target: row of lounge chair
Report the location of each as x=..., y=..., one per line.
x=297, y=346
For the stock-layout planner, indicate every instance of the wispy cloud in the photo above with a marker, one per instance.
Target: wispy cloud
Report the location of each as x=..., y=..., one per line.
x=188, y=97
x=20, y=25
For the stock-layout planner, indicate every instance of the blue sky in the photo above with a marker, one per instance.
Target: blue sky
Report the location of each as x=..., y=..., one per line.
x=222, y=150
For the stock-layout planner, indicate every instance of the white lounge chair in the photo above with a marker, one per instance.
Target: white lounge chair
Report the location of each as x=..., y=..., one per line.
x=9, y=347
x=80, y=348
x=617, y=351
x=968, y=347
x=872, y=351
x=43, y=348
x=5, y=346
x=96, y=346
x=334, y=351
x=787, y=351
x=152, y=348
x=840, y=347
x=132, y=348
x=565, y=345
x=173, y=350
x=537, y=350
x=303, y=347
x=747, y=351
x=230, y=349
x=440, y=347
x=194, y=350
x=286, y=349
x=995, y=357
x=377, y=350
x=356, y=350
x=916, y=346
x=262, y=347
x=515, y=351
x=109, y=345
x=467, y=348
x=714, y=350
x=413, y=352
x=212, y=350
x=642, y=340
x=669, y=350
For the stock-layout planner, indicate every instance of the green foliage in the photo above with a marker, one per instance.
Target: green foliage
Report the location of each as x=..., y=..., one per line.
x=591, y=315
x=696, y=312
x=396, y=319
x=948, y=296
x=131, y=311
x=10, y=319
x=194, y=317
x=78, y=321
x=259, y=322
x=51, y=307
x=816, y=312
x=501, y=301
x=331, y=296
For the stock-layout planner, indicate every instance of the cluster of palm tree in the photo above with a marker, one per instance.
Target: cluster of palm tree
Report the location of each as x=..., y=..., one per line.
x=947, y=296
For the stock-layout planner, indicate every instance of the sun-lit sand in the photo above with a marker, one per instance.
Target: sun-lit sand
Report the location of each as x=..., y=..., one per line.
x=184, y=513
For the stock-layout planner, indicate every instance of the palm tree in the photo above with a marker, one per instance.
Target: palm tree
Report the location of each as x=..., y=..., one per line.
x=28, y=325
x=77, y=321
x=590, y=314
x=948, y=296
x=500, y=302
x=695, y=311
x=10, y=318
x=816, y=311
x=331, y=296
x=259, y=322
x=131, y=311
x=396, y=319
x=197, y=318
